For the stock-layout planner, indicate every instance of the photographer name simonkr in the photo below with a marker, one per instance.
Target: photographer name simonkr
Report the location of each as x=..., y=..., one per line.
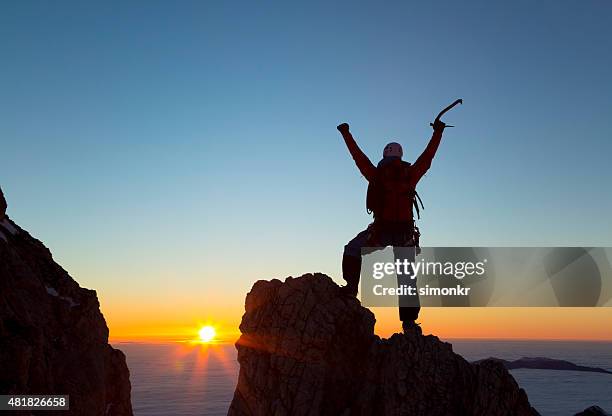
x=406, y=290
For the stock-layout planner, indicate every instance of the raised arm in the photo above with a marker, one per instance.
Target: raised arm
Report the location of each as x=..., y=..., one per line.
x=423, y=163
x=366, y=167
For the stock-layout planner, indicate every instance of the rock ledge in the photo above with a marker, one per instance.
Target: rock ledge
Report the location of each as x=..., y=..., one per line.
x=307, y=350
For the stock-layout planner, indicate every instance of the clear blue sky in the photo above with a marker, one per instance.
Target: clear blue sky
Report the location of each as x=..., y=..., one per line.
x=177, y=141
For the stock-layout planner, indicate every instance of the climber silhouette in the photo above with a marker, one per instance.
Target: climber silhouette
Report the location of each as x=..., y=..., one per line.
x=391, y=197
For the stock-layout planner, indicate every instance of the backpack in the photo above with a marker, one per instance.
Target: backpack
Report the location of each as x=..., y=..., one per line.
x=374, y=196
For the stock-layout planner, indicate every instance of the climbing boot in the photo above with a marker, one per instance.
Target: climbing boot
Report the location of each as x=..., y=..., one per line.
x=411, y=327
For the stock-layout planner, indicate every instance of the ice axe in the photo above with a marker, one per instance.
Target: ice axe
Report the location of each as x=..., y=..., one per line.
x=459, y=101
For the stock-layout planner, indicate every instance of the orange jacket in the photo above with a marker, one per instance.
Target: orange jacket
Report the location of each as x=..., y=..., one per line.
x=398, y=195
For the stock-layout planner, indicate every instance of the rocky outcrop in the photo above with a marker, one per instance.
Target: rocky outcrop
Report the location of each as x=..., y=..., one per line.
x=53, y=337
x=307, y=350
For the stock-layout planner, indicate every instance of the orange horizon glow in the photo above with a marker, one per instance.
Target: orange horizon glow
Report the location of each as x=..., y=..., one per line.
x=569, y=324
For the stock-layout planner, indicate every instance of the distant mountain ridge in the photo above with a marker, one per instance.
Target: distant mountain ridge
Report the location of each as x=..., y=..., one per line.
x=543, y=363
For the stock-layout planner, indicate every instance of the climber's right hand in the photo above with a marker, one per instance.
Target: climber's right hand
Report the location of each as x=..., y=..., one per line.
x=438, y=125
x=343, y=128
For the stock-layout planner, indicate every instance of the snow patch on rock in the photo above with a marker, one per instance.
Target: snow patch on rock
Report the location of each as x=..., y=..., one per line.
x=70, y=301
x=52, y=291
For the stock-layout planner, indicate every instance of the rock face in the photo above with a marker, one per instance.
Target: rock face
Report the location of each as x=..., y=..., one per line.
x=53, y=337
x=307, y=350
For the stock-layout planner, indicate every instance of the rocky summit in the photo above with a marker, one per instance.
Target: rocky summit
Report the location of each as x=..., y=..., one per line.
x=53, y=337
x=306, y=349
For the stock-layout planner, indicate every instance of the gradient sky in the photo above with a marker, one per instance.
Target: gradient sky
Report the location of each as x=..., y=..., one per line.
x=171, y=153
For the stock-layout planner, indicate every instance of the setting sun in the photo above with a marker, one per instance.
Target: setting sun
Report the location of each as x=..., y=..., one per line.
x=206, y=333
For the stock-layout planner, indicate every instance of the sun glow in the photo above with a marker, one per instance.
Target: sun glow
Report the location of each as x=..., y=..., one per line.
x=206, y=333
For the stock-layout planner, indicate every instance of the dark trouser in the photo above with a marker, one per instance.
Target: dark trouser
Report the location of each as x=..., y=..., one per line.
x=377, y=237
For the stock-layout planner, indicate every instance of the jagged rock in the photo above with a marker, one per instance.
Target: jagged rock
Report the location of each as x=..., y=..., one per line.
x=307, y=350
x=593, y=411
x=53, y=337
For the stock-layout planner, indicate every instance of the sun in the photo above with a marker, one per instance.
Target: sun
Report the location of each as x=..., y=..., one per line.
x=207, y=333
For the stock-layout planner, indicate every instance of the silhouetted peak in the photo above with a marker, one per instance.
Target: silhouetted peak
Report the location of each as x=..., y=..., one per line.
x=307, y=349
x=593, y=411
x=54, y=338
